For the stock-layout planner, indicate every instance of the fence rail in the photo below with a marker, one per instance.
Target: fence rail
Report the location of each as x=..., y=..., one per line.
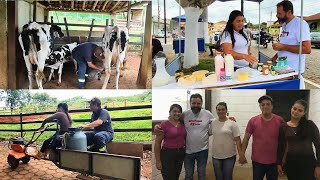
x=137, y=118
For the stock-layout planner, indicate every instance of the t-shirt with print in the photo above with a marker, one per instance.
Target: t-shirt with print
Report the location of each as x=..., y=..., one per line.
x=241, y=45
x=104, y=115
x=223, y=138
x=265, y=138
x=197, y=127
x=290, y=35
x=174, y=137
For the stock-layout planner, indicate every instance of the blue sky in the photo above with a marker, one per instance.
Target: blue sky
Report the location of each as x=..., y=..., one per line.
x=251, y=9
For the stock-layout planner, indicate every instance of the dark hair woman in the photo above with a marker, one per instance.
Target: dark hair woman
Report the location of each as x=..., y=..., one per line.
x=63, y=119
x=226, y=137
x=169, y=157
x=234, y=40
x=295, y=150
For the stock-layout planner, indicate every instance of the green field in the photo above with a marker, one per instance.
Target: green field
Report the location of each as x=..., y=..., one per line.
x=119, y=136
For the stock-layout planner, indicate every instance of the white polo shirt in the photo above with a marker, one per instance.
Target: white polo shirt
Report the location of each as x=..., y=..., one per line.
x=240, y=46
x=291, y=35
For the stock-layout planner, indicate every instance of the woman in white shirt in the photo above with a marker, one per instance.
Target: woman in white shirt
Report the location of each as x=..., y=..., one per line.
x=225, y=134
x=234, y=40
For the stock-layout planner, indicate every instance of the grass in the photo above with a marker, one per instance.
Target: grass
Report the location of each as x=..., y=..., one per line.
x=204, y=64
x=118, y=136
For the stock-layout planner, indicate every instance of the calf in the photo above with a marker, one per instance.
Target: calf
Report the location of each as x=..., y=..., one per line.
x=35, y=41
x=58, y=57
x=115, y=42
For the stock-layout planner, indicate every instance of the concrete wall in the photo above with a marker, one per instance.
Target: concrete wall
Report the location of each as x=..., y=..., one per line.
x=25, y=14
x=242, y=104
x=3, y=49
x=314, y=110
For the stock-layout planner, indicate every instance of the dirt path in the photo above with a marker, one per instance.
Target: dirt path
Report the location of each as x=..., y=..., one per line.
x=69, y=78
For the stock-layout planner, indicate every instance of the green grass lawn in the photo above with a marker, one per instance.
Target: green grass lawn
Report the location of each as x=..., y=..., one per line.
x=119, y=136
x=204, y=64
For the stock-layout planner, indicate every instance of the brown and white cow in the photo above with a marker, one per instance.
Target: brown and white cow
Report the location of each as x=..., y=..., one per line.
x=115, y=41
x=35, y=41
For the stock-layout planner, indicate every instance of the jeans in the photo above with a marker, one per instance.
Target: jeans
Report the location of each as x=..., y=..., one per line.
x=260, y=170
x=52, y=143
x=201, y=157
x=172, y=161
x=300, y=167
x=98, y=138
x=83, y=70
x=223, y=168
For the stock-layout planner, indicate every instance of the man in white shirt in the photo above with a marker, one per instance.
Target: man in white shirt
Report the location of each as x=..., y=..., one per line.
x=290, y=37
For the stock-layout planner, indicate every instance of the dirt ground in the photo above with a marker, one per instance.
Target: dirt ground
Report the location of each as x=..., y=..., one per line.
x=69, y=77
x=25, y=118
x=43, y=169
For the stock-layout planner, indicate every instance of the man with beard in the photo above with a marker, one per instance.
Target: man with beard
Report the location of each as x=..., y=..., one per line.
x=265, y=130
x=197, y=122
x=290, y=37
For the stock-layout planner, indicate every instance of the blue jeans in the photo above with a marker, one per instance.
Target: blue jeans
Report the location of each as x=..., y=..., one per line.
x=260, y=170
x=83, y=70
x=98, y=138
x=189, y=161
x=223, y=168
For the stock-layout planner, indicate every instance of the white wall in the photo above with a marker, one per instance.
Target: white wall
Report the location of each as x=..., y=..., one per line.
x=25, y=13
x=314, y=106
x=162, y=100
x=242, y=104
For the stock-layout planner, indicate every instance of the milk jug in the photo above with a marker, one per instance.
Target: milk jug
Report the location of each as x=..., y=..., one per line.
x=218, y=63
x=229, y=61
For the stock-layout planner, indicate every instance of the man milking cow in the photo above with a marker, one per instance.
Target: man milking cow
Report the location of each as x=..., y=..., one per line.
x=85, y=54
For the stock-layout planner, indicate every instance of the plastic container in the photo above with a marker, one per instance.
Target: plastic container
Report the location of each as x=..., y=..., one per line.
x=229, y=65
x=265, y=70
x=242, y=76
x=218, y=63
x=222, y=75
x=161, y=77
x=259, y=68
x=75, y=139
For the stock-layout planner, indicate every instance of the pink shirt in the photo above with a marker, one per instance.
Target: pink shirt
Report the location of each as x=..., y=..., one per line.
x=265, y=138
x=174, y=137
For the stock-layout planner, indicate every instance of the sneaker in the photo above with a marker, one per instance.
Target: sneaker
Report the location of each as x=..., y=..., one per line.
x=103, y=150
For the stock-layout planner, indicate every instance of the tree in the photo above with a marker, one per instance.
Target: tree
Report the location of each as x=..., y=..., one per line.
x=15, y=98
x=193, y=9
x=42, y=100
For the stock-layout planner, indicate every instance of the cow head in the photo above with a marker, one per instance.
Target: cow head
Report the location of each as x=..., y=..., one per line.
x=57, y=32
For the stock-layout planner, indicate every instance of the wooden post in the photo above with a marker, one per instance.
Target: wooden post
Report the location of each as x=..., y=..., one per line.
x=66, y=24
x=21, y=128
x=90, y=31
x=46, y=15
x=51, y=32
x=144, y=76
x=208, y=100
x=129, y=15
x=34, y=11
x=12, y=24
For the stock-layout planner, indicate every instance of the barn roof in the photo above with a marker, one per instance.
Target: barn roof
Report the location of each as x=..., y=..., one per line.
x=102, y=6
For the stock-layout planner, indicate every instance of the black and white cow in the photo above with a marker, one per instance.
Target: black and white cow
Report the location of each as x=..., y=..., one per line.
x=58, y=57
x=35, y=41
x=115, y=43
